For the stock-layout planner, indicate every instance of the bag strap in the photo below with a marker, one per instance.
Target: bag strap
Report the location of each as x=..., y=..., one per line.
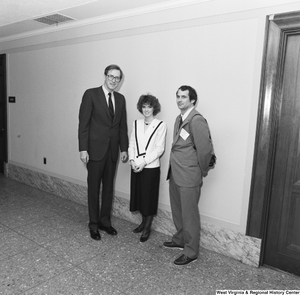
x=213, y=159
x=191, y=129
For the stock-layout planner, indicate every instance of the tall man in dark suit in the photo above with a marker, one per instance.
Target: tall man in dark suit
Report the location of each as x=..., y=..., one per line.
x=191, y=153
x=102, y=132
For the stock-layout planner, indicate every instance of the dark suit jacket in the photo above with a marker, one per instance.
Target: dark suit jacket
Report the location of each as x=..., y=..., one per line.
x=189, y=159
x=96, y=132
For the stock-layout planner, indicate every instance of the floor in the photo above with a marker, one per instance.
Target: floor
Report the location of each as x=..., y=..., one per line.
x=45, y=248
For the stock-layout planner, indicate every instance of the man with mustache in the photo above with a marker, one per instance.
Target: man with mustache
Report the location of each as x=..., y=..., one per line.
x=191, y=153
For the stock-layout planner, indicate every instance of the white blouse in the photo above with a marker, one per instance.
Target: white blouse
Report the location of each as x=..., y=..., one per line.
x=149, y=145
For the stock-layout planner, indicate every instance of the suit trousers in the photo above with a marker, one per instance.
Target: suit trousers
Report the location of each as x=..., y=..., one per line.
x=185, y=212
x=100, y=172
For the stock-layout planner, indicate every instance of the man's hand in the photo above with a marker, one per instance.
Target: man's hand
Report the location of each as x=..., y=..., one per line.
x=84, y=157
x=124, y=156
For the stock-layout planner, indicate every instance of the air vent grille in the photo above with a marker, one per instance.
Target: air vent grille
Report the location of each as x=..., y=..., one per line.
x=54, y=19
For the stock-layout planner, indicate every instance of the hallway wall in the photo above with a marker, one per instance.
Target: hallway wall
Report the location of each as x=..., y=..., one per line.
x=217, y=49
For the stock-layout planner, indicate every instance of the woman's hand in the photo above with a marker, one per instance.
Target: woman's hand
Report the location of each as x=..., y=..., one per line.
x=133, y=165
x=137, y=168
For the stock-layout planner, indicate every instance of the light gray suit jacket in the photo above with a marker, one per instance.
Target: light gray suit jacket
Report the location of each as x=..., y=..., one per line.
x=190, y=154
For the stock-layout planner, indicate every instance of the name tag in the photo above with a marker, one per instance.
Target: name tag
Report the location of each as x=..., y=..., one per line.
x=184, y=134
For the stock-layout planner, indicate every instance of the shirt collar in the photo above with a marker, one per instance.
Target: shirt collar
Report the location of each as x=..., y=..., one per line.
x=106, y=91
x=187, y=113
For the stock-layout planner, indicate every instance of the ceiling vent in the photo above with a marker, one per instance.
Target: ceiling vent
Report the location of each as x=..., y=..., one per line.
x=54, y=19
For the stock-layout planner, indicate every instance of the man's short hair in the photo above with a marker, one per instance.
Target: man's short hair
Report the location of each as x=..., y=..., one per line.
x=113, y=67
x=192, y=92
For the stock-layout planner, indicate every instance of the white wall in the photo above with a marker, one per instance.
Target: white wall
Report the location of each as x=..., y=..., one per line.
x=218, y=53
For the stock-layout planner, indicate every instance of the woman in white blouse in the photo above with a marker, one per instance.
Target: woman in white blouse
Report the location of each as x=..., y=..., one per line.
x=147, y=144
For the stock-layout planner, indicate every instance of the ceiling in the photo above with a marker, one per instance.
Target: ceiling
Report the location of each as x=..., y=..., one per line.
x=17, y=17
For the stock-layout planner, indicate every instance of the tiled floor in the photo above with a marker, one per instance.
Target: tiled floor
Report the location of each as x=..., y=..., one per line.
x=45, y=248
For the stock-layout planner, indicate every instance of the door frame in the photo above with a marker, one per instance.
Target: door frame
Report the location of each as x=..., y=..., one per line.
x=278, y=27
x=4, y=94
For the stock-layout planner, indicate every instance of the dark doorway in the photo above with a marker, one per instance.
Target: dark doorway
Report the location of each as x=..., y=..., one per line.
x=3, y=117
x=274, y=213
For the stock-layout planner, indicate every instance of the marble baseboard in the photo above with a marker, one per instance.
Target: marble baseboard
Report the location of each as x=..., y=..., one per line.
x=54, y=185
x=221, y=240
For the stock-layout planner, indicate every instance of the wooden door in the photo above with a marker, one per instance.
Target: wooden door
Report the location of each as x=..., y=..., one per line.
x=274, y=207
x=282, y=245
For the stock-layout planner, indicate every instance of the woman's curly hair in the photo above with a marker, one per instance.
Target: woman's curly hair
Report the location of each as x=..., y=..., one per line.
x=148, y=99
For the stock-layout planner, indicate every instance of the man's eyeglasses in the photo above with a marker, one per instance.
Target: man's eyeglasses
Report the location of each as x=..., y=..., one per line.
x=113, y=78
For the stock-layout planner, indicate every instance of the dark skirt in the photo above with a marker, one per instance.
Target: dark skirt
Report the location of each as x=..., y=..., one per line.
x=144, y=188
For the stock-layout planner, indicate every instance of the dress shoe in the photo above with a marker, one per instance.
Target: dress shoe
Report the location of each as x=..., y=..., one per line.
x=145, y=236
x=139, y=229
x=108, y=229
x=172, y=245
x=95, y=235
x=183, y=260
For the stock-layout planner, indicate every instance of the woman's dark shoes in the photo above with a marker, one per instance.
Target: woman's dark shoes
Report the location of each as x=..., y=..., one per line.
x=145, y=236
x=139, y=229
x=95, y=235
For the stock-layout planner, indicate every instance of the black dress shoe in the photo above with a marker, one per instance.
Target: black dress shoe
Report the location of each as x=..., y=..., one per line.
x=172, y=245
x=145, y=236
x=139, y=229
x=95, y=235
x=108, y=229
x=183, y=260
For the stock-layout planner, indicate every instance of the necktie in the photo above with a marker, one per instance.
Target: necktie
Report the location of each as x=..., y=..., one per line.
x=111, y=108
x=180, y=123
